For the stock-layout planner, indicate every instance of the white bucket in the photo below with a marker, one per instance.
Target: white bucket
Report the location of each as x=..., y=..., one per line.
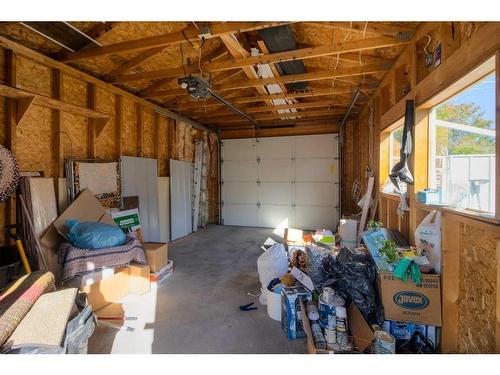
x=273, y=305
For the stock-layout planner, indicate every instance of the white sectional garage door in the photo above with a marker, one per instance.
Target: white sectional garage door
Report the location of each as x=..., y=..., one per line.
x=279, y=181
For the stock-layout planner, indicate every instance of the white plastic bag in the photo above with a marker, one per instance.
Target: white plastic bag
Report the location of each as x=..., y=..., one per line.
x=428, y=238
x=271, y=264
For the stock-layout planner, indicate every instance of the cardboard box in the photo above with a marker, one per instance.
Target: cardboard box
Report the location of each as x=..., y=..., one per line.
x=108, y=290
x=404, y=331
x=409, y=302
x=139, y=278
x=130, y=222
x=291, y=319
x=156, y=254
x=359, y=330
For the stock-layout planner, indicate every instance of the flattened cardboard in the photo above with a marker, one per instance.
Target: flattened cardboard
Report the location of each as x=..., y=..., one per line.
x=409, y=302
x=156, y=254
x=85, y=208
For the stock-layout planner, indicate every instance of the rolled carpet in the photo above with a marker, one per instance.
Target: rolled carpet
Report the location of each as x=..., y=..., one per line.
x=18, y=299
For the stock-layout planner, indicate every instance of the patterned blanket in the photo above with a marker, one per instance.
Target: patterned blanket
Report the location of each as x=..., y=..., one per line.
x=77, y=262
x=18, y=299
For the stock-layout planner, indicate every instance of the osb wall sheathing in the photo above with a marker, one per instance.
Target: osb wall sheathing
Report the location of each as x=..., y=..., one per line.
x=477, y=290
x=36, y=136
x=471, y=261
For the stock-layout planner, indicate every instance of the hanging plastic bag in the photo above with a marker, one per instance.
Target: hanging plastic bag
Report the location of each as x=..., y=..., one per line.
x=428, y=239
x=271, y=264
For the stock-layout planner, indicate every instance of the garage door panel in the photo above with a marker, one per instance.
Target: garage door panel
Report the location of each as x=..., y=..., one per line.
x=319, y=170
x=316, y=194
x=316, y=146
x=240, y=192
x=240, y=170
x=240, y=214
x=276, y=193
x=239, y=149
x=275, y=148
x=273, y=216
x=324, y=217
x=279, y=170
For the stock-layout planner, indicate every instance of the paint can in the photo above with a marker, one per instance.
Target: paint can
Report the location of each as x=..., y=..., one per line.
x=327, y=303
x=330, y=337
x=341, y=328
x=385, y=343
x=319, y=339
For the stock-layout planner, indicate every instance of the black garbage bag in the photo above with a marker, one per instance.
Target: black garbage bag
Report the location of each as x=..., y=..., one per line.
x=353, y=276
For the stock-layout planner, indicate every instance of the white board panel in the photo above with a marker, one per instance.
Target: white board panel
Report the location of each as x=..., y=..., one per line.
x=240, y=214
x=273, y=216
x=240, y=170
x=239, y=149
x=180, y=198
x=240, y=192
x=139, y=177
x=275, y=148
x=276, y=170
x=316, y=146
x=317, y=170
x=276, y=193
x=316, y=193
x=164, y=208
x=312, y=217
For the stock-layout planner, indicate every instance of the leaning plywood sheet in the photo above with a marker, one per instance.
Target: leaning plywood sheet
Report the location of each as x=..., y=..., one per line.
x=139, y=177
x=44, y=212
x=180, y=198
x=164, y=208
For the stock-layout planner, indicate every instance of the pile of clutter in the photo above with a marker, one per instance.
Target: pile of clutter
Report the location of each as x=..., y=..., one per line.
x=383, y=297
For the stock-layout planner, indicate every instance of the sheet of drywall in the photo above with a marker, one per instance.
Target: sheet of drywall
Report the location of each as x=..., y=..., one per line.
x=164, y=208
x=180, y=198
x=139, y=177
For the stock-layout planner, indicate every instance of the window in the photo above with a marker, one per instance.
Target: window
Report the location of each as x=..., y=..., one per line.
x=462, y=147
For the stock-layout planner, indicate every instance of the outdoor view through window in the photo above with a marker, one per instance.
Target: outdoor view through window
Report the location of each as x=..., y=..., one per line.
x=462, y=147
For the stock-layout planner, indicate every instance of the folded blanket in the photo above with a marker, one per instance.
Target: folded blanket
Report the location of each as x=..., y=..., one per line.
x=18, y=299
x=77, y=262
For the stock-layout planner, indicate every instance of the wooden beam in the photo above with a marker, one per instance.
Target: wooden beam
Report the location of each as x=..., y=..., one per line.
x=140, y=131
x=91, y=127
x=263, y=117
x=378, y=28
x=302, y=105
x=192, y=34
x=57, y=117
x=346, y=72
x=134, y=62
x=118, y=126
x=11, y=131
x=364, y=58
x=281, y=131
x=248, y=61
x=48, y=102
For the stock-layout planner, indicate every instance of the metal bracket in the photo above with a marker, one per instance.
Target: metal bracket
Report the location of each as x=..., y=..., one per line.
x=258, y=181
x=258, y=159
x=258, y=204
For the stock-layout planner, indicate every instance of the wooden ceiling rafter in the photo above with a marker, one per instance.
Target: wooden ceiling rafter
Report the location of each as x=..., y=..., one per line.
x=192, y=34
x=249, y=61
x=372, y=28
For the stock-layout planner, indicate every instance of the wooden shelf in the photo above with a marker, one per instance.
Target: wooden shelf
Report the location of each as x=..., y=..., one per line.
x=25, y=99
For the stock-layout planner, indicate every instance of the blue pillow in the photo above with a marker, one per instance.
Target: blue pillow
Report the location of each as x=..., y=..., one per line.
x=93, y=235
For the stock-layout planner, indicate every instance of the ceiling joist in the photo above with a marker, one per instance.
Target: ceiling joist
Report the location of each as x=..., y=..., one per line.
x=191, y=34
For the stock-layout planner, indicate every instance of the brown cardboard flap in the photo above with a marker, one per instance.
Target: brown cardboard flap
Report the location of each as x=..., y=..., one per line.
x=85, y=208
x=360, y=330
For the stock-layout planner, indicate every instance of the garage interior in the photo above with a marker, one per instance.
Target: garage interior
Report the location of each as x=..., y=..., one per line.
x=197, y=187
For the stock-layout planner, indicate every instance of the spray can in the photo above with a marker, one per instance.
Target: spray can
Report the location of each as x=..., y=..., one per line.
x=312, y=311
x=319, y=339
x=341, y=328
x=330, y=338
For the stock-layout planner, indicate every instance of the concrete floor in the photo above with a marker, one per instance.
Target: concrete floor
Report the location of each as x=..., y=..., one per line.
x=196, y=309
